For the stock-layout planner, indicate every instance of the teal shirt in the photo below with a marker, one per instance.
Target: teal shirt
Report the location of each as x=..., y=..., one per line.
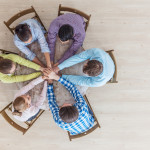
x=96, y=54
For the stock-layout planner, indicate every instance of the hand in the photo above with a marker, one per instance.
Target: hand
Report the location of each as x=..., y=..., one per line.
x=44, y=77
x=47, y=71
x=56, y=69
x=42, y=69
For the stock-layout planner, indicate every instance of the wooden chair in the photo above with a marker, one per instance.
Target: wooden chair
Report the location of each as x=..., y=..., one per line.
x=7, y=52
x=114, y=78
x=97, y=125
x=73, y=10
x=14, y=124
x=20, y=14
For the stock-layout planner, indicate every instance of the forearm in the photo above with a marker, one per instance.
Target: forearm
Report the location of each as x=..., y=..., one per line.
x=20, y=78
x=72, y=89
x=85, y=81
x=51, y=97
x=72, y=61
x=66, y=55
x=48, y=61
x=42, y=95
x=35, y=60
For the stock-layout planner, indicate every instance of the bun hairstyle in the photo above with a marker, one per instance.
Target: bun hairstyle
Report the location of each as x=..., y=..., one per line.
x=23, y=32
x=5, y=65
x=19, y=106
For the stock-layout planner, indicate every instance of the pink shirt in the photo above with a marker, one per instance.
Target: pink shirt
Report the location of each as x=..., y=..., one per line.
x=34, y=108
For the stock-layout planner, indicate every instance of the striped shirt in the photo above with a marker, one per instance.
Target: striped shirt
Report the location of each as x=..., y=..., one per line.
x=37, y=32
x=85, y=120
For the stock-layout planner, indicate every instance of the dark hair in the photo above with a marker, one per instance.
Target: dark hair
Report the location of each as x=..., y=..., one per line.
x=5, y=65
x=23, y=32
x=93, y=68
x=69, y=114
x=19, y=106
x=65, y=32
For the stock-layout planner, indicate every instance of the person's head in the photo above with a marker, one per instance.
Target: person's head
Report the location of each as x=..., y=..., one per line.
x=7, y=66
x=23, y=32
x=65, y=33
x=93, y=68
x=68, y=113
x=20, y=104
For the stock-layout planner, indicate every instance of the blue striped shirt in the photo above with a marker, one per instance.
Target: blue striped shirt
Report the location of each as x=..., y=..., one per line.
x=37, y=32
x=85, y=120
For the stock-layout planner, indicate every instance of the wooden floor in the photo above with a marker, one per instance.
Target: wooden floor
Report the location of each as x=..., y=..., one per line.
x=122, y=109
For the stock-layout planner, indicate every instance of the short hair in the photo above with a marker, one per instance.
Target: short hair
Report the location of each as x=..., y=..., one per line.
x=5, y=65
x=19, y=106
x=65, y=32
x=93, y=68
x=23, y=32
x=68, y=114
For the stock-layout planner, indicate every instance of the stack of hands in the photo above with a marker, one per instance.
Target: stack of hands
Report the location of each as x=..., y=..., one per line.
x=50, y=73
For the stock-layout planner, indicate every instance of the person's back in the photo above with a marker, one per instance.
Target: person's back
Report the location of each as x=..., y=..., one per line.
x=96, y=57
x=26, y=33
x=83, y=123
x=67, y=27
x=75, y=118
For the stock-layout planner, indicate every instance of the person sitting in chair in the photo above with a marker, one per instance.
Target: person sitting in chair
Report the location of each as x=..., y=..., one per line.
x=8, y=64
x=76, y=118
x=23, y=109
x=66, y=27
x=98, y=70
x=27, y=32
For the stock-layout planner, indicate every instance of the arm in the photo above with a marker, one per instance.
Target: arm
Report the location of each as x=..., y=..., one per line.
x=76, y=59
x=78, y=41
x=19, y=78
x=22, y=61
x=29, y=86
x=42, y=97
x=52, y=35
x=44, y=46
x=85, y=81
x=30, y=55
x=48, y=61
x=73, y=90
x=52, y=102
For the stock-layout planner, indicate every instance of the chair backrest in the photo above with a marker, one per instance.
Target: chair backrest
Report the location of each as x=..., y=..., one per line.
x=20, y=14
x=7, y=52
x=14, y=124
x=97, y=125
x=62, y=9
x=114, y=78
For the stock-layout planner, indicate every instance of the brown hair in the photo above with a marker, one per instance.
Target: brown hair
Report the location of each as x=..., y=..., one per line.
x=19, y=106
x=23, y=32
x=5, y=65
x=93, y=68
x=69, y=114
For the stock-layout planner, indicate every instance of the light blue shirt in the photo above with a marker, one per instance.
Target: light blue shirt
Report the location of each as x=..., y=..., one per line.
x=37, y=32
x=96, y=54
